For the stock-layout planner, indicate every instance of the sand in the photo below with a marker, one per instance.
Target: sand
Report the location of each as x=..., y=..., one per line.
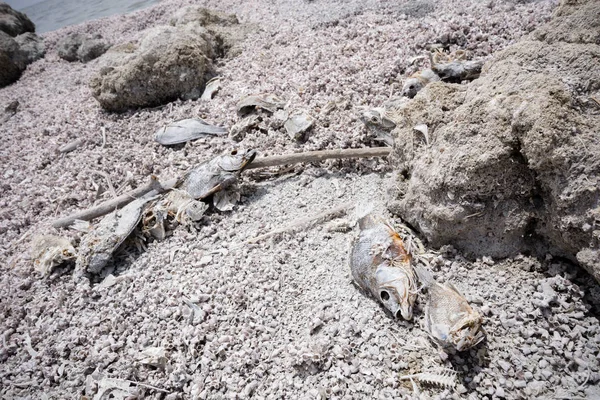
x=280, y=319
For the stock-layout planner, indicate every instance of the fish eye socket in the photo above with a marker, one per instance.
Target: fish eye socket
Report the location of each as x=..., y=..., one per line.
x=374, y=119
x=385, y=296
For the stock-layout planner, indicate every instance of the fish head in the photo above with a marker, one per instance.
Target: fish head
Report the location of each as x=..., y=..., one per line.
x=375, y=118
x=195, y=210
x=237, y=160
x=372, y=117
x=396, y=290
x=467, y=332
x=411, y=87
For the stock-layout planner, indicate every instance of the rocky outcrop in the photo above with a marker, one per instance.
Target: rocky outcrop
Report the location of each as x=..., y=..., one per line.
x=32, y=46
x=11, y=64
x=14, y=22
x=170, y=62
x=512, y=161
x=19, y=46
x=79, y=47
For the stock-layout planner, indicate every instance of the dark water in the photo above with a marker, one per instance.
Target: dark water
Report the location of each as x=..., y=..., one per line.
x=50, y=15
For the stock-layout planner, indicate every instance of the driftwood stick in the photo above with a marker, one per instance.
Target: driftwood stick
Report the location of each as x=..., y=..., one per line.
x=111, y=205
x=319, y=155
x=154, y=184
x=302, y=223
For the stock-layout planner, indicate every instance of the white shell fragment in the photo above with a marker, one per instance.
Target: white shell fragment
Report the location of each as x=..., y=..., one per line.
x=268, y=102
x=153, y=356
x=226, y=199
x=423, y=129
x=186, y=130
x=50, y=251
x=212, y=87
x=298, y=124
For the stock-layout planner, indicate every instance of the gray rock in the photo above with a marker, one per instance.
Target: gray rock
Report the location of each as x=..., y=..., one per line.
x=202, y=16
x=170, y=63
x=14, y=22
x=10, y=69
x=91, y=49
x=31, y=46
x=80, y=47
x=504, y=173
x=16, y=53
x=67, y=46
x=14, y=59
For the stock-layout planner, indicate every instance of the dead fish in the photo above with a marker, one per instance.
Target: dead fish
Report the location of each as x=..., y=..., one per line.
x=268, y=102
x=211, y=88
x=449, y=319
x=177, y=207
x=297, y=124
x=418, y=81
x=381, y=265
x=454, y=67
x=216, y=177
x=49, y=251
x=458, y=71
x=382, y=120
x=97, y=247
x=186, y=130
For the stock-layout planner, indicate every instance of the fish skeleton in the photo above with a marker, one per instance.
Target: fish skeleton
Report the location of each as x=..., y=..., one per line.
x=449, y=319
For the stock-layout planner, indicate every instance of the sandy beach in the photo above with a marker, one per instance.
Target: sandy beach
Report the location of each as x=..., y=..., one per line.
x=280, y=319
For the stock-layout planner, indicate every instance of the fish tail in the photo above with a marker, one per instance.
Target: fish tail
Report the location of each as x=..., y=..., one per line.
x=363, y=214
x=424, y=275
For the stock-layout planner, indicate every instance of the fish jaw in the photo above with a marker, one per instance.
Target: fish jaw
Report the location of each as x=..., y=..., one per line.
x=395, y=290
x=467, y=332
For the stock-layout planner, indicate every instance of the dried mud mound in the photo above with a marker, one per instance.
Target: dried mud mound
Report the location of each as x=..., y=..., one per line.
x=513, y=160
x=170, y=62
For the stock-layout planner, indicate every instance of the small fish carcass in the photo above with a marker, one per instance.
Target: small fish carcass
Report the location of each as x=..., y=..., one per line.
x=98, y=246
x=380, y=121
x=418, y=81
x=217, y=177
x=381, y=265
x=186, y=130
x=449, y=319
x=215, y=180
x=49, y=251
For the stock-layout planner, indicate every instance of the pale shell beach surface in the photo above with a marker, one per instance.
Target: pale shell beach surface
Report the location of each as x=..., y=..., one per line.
x=204, y=315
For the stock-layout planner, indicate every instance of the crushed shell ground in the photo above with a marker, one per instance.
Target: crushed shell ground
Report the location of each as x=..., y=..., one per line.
x=196, y=315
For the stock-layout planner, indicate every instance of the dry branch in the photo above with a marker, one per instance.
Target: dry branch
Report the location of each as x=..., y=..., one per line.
x=154, y=184
x=320, y=155
x=303, y=223
x=111, y=205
